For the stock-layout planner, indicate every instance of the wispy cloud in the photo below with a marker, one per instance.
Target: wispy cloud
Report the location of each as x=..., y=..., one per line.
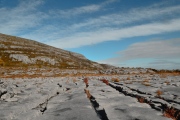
x=55, y=28
x=26, y=20
x=145, y=14
x=26, y=16
x=154, y=20
x=77, y=11
x=164, y=53
x=153, y=49
x=81, y=10
x=109, y=34
x=21, y=17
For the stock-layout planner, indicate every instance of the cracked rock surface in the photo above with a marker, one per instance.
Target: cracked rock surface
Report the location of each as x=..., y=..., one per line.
x=79, y=98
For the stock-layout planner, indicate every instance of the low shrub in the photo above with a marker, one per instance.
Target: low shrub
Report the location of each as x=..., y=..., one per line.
x=128, y=78
x=146, y=83
x=167, y=82
x=115, y=80
x=159, y=93
x=86, y=81
x=105, y=81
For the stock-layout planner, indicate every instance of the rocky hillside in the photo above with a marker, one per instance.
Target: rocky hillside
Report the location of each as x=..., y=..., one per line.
x=20, y=52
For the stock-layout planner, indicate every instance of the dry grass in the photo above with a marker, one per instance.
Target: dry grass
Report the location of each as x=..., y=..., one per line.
x=141, y=100
x=105, y=81
x=159, y=93
x=74, y=80
x=171, y=113
x=167, y=82
x=86, y=82
x=146, y=82
x=87, y=93
x=163, y=75
x=2, y=63
x=115, y=80
x=128, y=78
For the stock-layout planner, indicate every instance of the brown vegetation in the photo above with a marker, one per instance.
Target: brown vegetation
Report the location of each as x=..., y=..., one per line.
x=115, y=80
x=172, y=113
x=2, y=63
x=141, y=99
x=146, y=83
x=86, y=82
x=87, y=93
x=159, y=93
x=105, y=81
x=167, y=82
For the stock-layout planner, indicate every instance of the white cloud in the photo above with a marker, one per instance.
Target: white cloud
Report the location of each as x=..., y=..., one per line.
x=77, y=11
x=20, y=18
x=152, y=49
x=144, y=21
x=111, y=27
x=163, y=54
x=26, y=16
x=81, y=10
x=109, y=34
x=27, y=21
x=134, y=15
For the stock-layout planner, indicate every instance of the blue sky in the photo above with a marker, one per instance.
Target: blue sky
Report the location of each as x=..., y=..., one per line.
x=125, y=33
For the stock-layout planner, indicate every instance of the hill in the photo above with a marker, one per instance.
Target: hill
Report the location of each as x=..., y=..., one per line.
x=20, y=52
x=21, y=57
